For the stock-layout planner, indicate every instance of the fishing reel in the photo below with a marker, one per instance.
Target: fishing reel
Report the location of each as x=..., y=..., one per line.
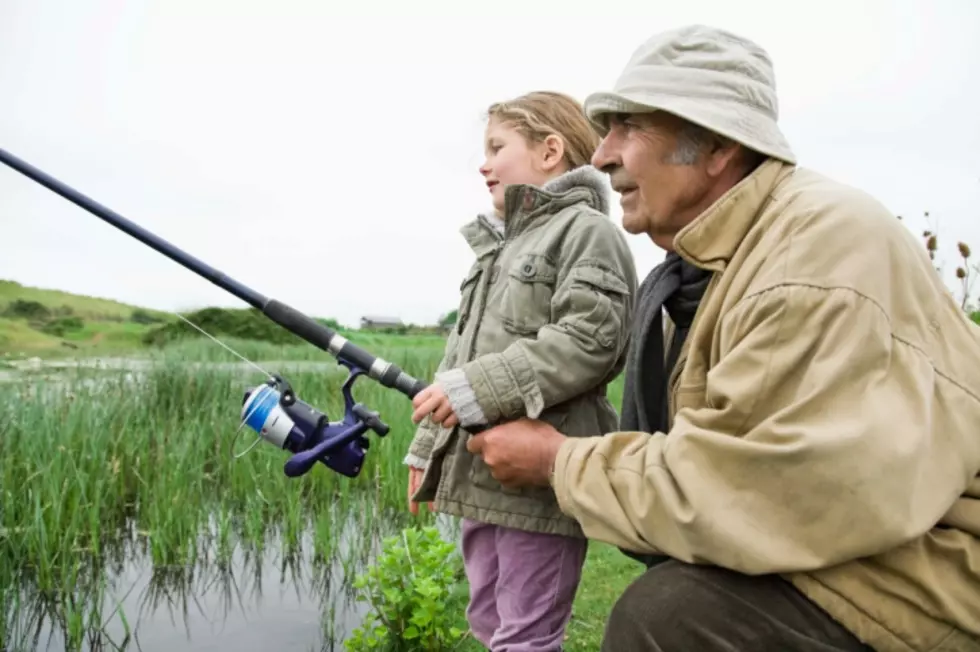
x=280, y=418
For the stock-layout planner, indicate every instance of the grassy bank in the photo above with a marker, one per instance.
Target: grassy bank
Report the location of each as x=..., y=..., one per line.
x=99, y=468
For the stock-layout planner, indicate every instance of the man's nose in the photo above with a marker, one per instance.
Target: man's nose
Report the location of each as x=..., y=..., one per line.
x=605, y=157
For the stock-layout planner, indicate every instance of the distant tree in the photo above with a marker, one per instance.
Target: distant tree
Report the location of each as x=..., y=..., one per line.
x=449, y=318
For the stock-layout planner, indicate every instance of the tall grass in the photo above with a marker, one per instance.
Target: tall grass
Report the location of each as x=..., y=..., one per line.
x=100, y=467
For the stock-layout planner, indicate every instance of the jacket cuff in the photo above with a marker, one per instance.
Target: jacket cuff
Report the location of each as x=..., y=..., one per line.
x=461, y=397
x=560, y=474
x=416, y=461
x=505, y=385
x=421, y=446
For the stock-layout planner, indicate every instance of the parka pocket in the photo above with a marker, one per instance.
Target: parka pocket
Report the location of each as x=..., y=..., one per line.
x=467, y=290
x=598, y=299
x=524, y=306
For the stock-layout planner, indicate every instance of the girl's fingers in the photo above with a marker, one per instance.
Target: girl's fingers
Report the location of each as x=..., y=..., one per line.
x=442, y=412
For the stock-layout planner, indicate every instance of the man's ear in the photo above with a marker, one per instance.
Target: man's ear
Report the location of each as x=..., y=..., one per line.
x=552, y=152
x=721, y=155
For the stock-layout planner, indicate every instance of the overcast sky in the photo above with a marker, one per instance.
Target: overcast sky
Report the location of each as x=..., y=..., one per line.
x=327, y=157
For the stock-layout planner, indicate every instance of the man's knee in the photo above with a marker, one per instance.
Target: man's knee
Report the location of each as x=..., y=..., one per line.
x=650, y=614
x=676, y=606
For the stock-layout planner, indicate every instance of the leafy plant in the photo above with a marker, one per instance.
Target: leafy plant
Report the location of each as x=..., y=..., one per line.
x=411, y=592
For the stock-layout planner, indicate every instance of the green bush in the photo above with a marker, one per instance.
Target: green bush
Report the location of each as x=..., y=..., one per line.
x=31, y=310
x=246, y=324
x=58, y=327
x=411, y=592
x=140, y=316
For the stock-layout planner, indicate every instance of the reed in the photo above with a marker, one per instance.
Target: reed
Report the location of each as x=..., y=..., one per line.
x=104, y=470
x=97, y=466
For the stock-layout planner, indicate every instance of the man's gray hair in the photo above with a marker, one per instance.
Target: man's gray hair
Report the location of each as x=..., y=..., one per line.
x=692, y=141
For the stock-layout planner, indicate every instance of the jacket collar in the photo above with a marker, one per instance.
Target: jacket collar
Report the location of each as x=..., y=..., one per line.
x=712, y=238
x=524, y=203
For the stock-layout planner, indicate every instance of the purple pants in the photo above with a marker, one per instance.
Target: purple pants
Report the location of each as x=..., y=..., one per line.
x=522, y=585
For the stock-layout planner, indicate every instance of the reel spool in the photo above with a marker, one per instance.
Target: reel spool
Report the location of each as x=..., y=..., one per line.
x=278, y=417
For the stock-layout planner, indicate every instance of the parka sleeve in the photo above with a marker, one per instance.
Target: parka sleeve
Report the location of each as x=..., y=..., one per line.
x=815, y=447
x=582, y=348
x=420, y=448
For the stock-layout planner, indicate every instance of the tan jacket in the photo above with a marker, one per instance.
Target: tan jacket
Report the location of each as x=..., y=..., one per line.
x=826, y=419
x=542, y=329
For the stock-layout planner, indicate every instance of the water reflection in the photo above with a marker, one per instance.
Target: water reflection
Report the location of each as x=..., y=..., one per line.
x=254, y=600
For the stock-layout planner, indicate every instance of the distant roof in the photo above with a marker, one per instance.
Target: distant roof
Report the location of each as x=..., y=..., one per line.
x=381, y=319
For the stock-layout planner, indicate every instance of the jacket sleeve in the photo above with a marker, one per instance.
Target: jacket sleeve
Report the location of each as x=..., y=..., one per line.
x=420, y=448
x=581, y=349
x=815, y=447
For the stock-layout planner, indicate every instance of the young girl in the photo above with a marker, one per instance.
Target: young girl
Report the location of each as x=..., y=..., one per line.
x=542, y=326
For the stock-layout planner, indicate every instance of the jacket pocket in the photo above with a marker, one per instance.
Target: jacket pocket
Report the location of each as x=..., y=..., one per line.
x=600, y=302
x=525, y=303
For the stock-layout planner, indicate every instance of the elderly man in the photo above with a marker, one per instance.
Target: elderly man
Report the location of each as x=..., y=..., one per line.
x=799, y=454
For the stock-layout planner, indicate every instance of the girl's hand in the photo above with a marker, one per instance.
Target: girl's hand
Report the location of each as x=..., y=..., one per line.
x=414, y=480
x=433, y=402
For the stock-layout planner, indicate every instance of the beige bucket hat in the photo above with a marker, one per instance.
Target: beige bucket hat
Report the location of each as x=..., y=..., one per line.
x=706, y=75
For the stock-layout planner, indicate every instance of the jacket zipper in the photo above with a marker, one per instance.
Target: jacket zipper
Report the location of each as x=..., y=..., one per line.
x=484, y=291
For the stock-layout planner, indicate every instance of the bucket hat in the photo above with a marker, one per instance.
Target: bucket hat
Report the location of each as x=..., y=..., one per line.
x=706, y=75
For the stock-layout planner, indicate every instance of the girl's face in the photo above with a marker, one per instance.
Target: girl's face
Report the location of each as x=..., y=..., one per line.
x=512, y=160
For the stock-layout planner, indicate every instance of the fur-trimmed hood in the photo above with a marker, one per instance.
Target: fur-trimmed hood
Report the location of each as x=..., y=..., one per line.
x=585, y=177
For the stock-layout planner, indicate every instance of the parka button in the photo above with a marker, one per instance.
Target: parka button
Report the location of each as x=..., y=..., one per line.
x=527, y=269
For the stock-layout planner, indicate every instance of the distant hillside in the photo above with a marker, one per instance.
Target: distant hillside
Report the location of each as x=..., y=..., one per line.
x=82, y=306
x=38, y=320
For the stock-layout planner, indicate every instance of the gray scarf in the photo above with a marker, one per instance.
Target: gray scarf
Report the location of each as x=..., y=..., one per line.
x=677, y=286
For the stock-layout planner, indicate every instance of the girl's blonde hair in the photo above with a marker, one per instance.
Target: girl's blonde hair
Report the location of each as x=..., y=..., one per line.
x=540, y=114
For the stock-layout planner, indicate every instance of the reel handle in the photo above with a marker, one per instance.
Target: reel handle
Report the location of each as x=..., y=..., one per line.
x=349, y=457
x=371, y=419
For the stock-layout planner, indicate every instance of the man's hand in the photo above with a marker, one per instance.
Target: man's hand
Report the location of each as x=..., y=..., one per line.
x=519, y=453
x=432, y=401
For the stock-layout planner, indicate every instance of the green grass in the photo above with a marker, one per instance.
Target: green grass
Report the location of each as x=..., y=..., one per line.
x=95, y=469
x=93, y=308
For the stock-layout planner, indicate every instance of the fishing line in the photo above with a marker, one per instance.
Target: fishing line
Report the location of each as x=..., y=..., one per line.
x=254, y=406
x=226, y=347
x=272, y=409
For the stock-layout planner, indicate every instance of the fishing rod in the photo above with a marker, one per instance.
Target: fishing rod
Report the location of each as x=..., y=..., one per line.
x=272, y=409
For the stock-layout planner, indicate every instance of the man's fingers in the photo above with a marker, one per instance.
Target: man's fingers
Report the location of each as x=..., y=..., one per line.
x=475, y=443
x=451, y=421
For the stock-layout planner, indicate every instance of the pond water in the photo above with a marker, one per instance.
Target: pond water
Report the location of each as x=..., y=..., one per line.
x=272, y=599
x=257, y=602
